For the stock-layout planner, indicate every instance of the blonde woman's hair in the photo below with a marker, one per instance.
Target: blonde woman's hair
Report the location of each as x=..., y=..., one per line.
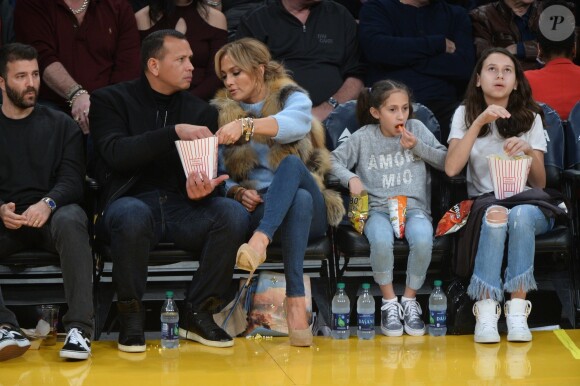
x=249, y=54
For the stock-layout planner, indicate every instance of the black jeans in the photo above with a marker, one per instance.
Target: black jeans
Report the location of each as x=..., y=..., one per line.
x=214, y=228
x=65, y=233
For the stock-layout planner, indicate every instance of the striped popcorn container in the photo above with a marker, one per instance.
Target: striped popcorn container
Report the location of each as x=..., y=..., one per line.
x=508, y=174
x=199, y=155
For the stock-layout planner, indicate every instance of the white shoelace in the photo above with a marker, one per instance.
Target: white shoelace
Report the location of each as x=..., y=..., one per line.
x=487, y=321
x=8, y=333
x=394, y=311
x=75, y=337
x=519, y=320
x=412, y=308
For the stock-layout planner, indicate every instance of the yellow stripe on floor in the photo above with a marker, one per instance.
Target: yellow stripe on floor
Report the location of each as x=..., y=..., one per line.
x=568, y=343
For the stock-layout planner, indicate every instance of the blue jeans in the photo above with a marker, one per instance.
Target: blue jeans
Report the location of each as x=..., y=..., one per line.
x=523, y=224
x=64, y=233
x=212, y=228
x=419, y=235
x=293, y=212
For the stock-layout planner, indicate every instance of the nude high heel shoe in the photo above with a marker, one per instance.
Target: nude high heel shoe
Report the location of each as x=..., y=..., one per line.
x=298, y=338
x=248, y=259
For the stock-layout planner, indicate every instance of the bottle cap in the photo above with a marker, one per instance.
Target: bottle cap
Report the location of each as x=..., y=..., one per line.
x=169, y=294
x=340, y=285
x=366, y=286
x=437, y=283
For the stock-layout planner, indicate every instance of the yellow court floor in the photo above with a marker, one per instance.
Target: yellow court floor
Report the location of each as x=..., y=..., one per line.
x=552, y=358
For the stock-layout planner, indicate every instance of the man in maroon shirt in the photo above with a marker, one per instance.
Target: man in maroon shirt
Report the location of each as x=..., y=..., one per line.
x=83, y=45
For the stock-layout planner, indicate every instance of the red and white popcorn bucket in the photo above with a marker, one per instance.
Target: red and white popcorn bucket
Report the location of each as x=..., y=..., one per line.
x=508, y=174
x=199, y=155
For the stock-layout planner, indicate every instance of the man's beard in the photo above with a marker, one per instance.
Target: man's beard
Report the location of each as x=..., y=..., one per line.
x=19, y=100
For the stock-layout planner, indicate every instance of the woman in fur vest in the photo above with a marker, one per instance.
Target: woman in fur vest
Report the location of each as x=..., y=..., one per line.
x=275, y=156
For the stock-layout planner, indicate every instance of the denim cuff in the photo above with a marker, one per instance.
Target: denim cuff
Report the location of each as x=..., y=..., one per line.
x=383, y=278
x=524, y=282
x=415, y=282
x=478, y=290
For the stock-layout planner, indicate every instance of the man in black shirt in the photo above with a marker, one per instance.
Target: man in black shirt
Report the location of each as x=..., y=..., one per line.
x=41, y=182
x=147, y=198
x=317, y=41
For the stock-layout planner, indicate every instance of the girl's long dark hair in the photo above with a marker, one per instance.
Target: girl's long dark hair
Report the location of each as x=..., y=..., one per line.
x=521, y=105
x=375, y=97
x=160, y=8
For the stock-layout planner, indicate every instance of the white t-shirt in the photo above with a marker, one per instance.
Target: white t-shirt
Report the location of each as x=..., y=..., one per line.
x=478, y=176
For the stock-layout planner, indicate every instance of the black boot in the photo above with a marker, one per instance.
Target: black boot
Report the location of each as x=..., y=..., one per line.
x=131, y=331
x=199, y=326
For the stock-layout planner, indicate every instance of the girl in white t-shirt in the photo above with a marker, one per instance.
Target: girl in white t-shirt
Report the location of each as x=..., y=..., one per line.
x=499, y=116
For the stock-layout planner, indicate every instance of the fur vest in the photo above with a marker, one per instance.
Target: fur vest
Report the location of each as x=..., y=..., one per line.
x=240, y=158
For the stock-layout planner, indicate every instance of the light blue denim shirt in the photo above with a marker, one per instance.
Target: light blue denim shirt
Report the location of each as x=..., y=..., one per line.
x=294, y=123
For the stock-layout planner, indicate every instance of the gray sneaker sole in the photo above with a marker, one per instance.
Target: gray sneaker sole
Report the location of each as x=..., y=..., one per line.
x=388, y=332
x=414, y=332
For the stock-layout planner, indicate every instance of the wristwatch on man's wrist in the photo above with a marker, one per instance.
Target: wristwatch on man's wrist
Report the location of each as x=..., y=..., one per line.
x=333, y=102
x=50, y=203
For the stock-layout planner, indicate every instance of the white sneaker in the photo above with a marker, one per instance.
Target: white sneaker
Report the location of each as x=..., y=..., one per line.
x=486, y=315
x=516, y=315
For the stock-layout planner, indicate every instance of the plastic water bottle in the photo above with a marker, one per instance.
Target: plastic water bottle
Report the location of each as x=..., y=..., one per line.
x=365, y=309
x=340, y=314
x=169, y=322
x=437, y=311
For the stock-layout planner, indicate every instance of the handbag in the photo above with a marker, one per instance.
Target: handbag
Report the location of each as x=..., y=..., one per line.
x=266, y=314
x=233, y=318
x=460, y=318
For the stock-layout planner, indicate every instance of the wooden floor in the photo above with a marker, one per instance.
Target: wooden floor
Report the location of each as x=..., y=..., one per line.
x=552, y=358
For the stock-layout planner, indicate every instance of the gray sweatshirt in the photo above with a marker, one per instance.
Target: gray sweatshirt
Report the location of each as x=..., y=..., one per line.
x=386, y=169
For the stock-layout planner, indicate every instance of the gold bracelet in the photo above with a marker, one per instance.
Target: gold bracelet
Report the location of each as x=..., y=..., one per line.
x=248, y=127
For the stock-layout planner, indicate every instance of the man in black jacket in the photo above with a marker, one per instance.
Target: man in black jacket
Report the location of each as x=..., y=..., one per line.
x=317, y=41
x=147, y=198
x=41, y=182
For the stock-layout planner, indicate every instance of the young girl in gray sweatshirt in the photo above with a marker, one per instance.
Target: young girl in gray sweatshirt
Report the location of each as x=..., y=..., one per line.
x=388, y=157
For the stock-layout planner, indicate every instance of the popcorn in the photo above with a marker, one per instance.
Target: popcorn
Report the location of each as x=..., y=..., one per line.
x=508, y=174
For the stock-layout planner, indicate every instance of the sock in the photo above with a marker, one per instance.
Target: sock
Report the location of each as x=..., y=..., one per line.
x=404, y=299
x=389, y=300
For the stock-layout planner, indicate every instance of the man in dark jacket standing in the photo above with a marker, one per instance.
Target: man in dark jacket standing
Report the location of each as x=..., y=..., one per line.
x=317, y=41
x=425, y=44
x=41, y=181
x=511, y=24
x=147, y=198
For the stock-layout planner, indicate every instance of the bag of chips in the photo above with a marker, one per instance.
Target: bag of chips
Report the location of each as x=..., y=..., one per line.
x=454, y=218
x=358, y=210
x=398, y=214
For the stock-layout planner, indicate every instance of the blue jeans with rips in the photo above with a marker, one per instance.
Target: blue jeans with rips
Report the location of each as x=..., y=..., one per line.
x=419, y=235
x=524, y=223
x=213, y=228
x=293, y=213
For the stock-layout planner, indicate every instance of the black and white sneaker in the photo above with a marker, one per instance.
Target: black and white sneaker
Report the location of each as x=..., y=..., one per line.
x=12, y=343
x=76, y=345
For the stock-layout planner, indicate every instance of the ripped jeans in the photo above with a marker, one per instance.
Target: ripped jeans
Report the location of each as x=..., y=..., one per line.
x=524, y=222
x=419, y=234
